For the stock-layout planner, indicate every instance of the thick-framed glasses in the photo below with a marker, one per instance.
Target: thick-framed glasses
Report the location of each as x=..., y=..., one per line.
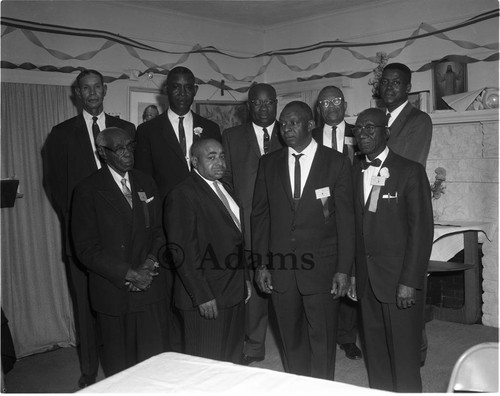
x=267, y=102
x=325, y=103
x=121, y=150
x=369, y=129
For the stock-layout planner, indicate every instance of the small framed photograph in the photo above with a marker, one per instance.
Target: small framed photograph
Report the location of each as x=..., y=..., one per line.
x=449, y=78
x=420, y=100
x=140, y=98
x=225, y=113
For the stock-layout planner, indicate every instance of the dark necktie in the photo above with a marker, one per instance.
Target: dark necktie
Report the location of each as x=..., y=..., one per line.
x=296, y=188
x=388, y=118
x=95, y=128
x=226, y=204
x=126, y=191
x=334, y=138
x=376, y=163
x=267, y=142
x=182, y=137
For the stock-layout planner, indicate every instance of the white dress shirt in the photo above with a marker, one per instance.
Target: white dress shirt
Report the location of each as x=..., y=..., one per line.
x=372, y=171
x=187, y=122
x=395, y=113
x=305, y=164
x=101, y=121
x=118, y=179
x=259, y=134
x=340, y=133
x=232, y=204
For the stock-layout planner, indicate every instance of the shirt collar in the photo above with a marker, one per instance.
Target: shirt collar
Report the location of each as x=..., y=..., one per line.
x=89, y=116
x=397, y=110
x=259, y=128
x=117, y=177
x=340, y=126
x=382, y=156
x=308, y=151
x=174, y=116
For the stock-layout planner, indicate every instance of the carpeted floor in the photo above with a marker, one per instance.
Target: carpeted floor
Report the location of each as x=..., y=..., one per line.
x=57, y=371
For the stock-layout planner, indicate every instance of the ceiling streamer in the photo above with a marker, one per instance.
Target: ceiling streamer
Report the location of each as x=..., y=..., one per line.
x=139, y=51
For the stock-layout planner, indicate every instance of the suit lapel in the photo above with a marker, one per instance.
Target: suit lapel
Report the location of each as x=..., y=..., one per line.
x=276, y=143
x=168, y=133
x=315, y=173
x=252, y=139
x=83, y=143
x=284, y=174
x=216, y=200
x=112, y=194
x=399, y=122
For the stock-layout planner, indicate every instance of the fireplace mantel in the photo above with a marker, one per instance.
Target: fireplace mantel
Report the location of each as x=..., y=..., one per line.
x=453, y=117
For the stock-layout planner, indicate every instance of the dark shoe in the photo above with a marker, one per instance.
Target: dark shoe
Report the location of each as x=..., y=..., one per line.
x=246, y=360
x=351, y=351
x=86, y=380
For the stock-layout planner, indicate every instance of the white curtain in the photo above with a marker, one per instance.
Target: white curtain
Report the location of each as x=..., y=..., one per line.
x=35, y=296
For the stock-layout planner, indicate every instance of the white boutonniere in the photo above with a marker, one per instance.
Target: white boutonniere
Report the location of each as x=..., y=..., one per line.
x=198, y=131
x=384, y=172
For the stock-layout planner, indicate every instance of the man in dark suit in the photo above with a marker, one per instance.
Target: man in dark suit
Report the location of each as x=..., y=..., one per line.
x=163, y=146
x=203, y=223
x=117, y=233
x=163, y=143
x=303, y=233
x=411, y=129
x=69, y=156
x=243, y=147
x=394, y=230
x=337, y=134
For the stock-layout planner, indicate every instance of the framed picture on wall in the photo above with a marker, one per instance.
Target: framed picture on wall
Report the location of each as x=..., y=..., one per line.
x=450, y=78
x=225, y=114
x=420, y=100
x=140, y=98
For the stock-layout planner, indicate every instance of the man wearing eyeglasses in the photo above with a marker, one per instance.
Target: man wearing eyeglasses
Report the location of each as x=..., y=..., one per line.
x=411, y=129
x=69, y=155
x=117, y=233
x=394, y=232
x=337, y=134
x=244, y=145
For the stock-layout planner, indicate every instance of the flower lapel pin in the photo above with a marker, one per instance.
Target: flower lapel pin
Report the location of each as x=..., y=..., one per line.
x=198, y=131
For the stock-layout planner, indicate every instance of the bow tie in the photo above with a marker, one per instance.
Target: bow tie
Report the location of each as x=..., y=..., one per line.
x=376, y=163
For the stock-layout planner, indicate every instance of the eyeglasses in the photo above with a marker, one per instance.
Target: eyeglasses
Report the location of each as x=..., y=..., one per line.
x=121, y=150
x=370, y=129
x=334, y=101
x=267, y=102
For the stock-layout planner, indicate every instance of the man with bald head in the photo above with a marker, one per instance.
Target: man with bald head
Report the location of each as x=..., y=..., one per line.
x=303, y=236
x=337, y=134
x=394, y=233
x=204, y=226
x=117, y=235
x=244, y=145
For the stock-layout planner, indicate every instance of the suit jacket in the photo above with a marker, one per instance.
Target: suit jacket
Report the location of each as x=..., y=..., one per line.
x=242, y=160
x=207, y=247
x=320, y=236
x=110, y=238
x=68, y=157
x=411, y=134
x=159, y=153
x=349, y=149
x=393, y=245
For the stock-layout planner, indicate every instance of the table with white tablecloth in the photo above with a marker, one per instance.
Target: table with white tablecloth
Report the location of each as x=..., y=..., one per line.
x=175, y=373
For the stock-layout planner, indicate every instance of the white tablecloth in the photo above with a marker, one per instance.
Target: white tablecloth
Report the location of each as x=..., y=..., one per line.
x=177, y=373
x=449, y=237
